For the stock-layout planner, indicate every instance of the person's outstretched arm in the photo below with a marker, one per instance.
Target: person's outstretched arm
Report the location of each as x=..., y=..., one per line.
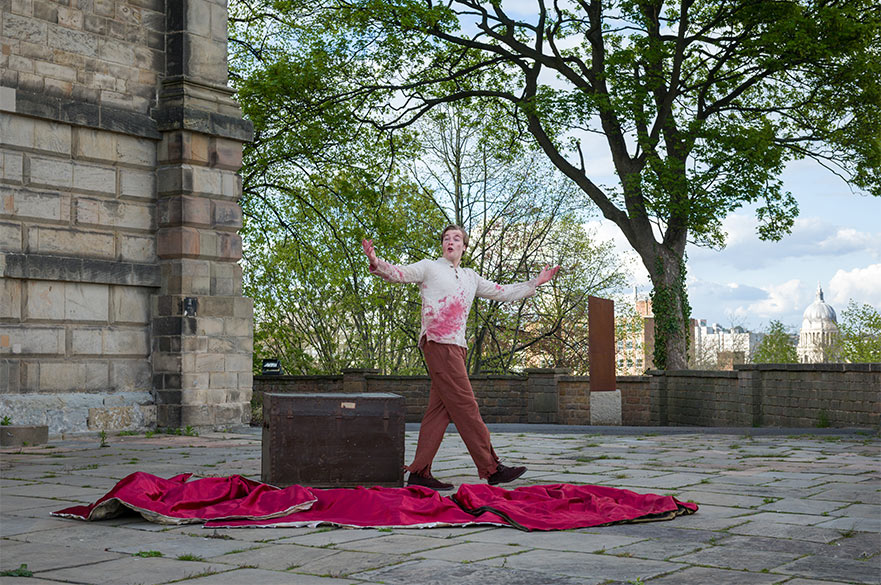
x=514, y=292
x=392, y=272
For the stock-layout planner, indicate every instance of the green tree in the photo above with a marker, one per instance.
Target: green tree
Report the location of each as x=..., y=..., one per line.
x=860, y=331
x=550, y=328
x=699, y=103
x=776, y=347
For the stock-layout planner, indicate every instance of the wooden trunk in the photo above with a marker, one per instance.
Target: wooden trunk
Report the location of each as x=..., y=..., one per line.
x=333, y=440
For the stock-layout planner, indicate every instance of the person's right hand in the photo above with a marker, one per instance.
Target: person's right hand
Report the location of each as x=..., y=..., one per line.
x=369, y=251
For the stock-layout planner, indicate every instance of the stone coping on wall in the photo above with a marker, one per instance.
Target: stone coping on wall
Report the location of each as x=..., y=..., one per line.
x=829, y=367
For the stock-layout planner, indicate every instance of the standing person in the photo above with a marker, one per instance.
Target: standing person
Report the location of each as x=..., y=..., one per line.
x=448, y=291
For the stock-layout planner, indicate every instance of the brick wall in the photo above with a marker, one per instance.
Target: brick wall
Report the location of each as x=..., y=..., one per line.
x=635, y=401
x=119, y=146
x=837, y=395
x=574, y=400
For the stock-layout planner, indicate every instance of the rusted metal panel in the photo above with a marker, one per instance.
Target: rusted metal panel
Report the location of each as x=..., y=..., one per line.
x=333, y=440
x=601, y=340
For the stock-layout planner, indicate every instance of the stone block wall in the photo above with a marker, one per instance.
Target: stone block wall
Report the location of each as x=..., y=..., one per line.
x=502, y=399
x=696, y=397
x=800, y=395
x=805, y=396
x=775, y=395
x=119, y=147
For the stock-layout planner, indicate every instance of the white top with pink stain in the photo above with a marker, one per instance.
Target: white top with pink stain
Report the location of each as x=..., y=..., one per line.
x=447, y=294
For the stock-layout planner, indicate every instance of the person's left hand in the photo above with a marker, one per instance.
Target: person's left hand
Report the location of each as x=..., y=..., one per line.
x=547, y=274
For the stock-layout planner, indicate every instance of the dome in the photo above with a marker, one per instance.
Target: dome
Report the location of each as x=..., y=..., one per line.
x=819, y=315
x=818, y=339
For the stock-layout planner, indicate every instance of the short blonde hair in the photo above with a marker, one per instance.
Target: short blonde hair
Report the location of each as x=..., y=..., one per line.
x=454, y=227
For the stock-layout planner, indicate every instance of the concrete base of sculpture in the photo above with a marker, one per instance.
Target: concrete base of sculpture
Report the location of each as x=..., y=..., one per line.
x=605, y=408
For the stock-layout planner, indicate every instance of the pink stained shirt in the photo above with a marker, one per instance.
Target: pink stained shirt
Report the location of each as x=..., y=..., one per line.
x=447, y=294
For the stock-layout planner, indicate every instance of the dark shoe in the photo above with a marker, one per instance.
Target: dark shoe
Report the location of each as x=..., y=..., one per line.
x=504, y=474
x=429, y=482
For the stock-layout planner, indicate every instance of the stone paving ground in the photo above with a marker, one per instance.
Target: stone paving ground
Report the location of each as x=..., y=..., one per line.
x=793, y=507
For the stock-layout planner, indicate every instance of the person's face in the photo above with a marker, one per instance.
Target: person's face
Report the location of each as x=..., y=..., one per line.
x=453, y=245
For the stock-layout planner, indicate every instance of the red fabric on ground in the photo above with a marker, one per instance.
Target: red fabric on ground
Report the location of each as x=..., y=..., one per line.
x=236, y=502
x=565, y=506
x=375, y=507
x=178, y=501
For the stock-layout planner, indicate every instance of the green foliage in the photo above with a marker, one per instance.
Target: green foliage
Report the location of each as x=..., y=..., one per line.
x=776, y=347
x=700, y=104
x=147, y=554
x=860, y=330
x=21, y=571
x=670, y=307
x=6, y=420
x=549, y=329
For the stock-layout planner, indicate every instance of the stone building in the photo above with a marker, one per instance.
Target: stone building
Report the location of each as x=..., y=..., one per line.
x=120, y=289
x=818, y=338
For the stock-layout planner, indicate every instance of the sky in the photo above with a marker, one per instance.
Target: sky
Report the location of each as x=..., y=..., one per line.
x=835, y=242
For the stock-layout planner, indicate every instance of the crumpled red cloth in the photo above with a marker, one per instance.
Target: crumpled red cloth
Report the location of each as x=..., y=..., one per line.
x=377, y=507
x=239, y=502
x=179, y=501
x=566, y=506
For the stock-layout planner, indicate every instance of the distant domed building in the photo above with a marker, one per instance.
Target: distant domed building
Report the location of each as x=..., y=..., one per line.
x=818, y=339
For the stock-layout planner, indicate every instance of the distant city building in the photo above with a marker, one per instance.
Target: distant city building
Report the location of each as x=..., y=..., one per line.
x=719, y=347
x=818, y=339
x=710, y=347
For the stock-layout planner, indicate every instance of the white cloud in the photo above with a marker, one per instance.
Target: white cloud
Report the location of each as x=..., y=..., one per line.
x=811, y=237
x=782, y=301
x=863, y=285
x=750, y=306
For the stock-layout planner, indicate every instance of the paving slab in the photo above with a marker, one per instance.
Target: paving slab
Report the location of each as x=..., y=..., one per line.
x=332, y=537
x=394, y=544
x=173, y=546
x=707, y=575
x=849, y=523
x=605, y=567
x=800, y=581
x=827, y=567
x=725, y=556
x=794, y=505
x=566, y=540
x=343, y=563
x=248, y=576
x=787, y=531
x=133, y=571
x=41, y=558
x=28, y=581
x=471, y=551
x=12, y=525
x=273, y=557
x=437, y=572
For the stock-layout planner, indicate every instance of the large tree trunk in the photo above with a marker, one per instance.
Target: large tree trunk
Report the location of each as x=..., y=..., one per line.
x=670, y=307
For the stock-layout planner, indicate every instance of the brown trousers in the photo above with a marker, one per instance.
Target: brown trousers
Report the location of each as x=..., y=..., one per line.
x=451, y=398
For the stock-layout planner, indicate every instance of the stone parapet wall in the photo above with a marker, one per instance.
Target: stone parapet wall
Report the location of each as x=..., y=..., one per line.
x=837, y=395
x=773, y=395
